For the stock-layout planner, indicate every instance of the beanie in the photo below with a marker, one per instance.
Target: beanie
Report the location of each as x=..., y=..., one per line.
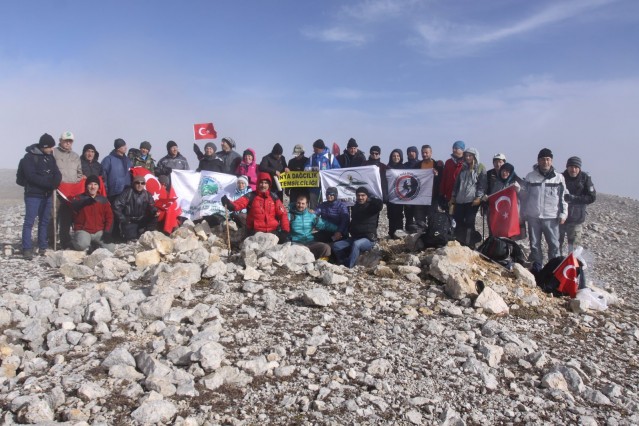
x=92, y=179
x=170, y=144
x=352, y=143
x=212, y=145
x=145, y=145
x=229, y=141
x=319, y=144
x=331, y=191
x=574, y=161
x=362, y=190
x=376, y=149
x=544, y=153
x=244, y=179
x=459, y=145
x=118, y=143
x=46, y=141
x=277, y=149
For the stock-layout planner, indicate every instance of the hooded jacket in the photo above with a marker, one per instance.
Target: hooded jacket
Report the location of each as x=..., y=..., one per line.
x=270, y=164
x=582, y=192
x=249, y=170
x=322, y=161
x=69, y=164
x=116, y=169
x=400, y=164
x=335, y=212
x=543, y=195
x=91, y=168
x=471, y=181
x=41, y=173
x=303, y=223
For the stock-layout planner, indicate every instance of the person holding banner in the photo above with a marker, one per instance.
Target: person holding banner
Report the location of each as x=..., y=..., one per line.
x=210, y=162
x=395, y=212
x=302, y=224
x=93, y=218
x=470, y=187
x=452, y=168
x=362, y=229
x=173, y=160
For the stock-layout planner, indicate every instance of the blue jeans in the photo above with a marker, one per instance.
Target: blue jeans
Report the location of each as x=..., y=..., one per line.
x=549, y=228
x=341, y=250
x=36, y=207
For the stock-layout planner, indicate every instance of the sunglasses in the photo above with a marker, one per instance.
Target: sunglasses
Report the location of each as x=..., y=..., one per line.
x=140, y=183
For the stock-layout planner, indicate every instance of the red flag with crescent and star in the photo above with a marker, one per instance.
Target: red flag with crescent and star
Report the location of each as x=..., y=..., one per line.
x=567, y=275
x=204, y=131
x=70, y=190
x=503, y=213
x=336, y=150
x=165, y=201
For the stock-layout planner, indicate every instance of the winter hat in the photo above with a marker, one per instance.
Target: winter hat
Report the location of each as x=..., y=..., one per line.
x=244, y=179
x=319, y=144
x=362, y=190
x=145, y=145
x=46, y=141
x=277, y=149
x=352, y=143
x=499, y=156
x=574, y=161
x=544, y=153
x=229, y=141
x=118, y=143
x=298, y=149
x=92, y=179
x=376, y=149
x=411, y=149
x=459, y=145
x=67, y=136
x=248, y=152
x=170, y=144
x=212, y=145
x=331, y=191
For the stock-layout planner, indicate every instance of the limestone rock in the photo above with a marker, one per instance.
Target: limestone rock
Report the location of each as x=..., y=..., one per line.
x=316, y=297
x=491, y=302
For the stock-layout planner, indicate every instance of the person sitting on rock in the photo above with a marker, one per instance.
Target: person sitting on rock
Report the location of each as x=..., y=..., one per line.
x=241, y=188
x=135, y=210
x=93, y=218
x=362, y=229
x=266, y=213
x=302, y=224
x=333, y=211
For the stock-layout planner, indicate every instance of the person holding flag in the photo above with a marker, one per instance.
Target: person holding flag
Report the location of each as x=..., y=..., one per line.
x=505, y=223
x=93, y=218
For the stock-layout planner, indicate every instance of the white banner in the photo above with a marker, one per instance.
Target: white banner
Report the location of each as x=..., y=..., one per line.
x=410, y=186
x=349, y=179
x=200, y=193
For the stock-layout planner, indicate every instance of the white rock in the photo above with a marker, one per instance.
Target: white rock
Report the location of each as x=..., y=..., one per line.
x=147, y=258
x=90, y=391
x=155, y=307
x=316, y=297
x=226, y=375
x=158, y=241
x=491, y=302
x=554, y=380
x=492, y=353
x=331, y=278
x=152, y=412
x=379, y=367
x=459, y=286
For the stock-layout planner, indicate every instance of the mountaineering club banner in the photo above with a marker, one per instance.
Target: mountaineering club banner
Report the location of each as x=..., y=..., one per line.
x=410, y=186
x=349, y=179
x=200, y=193
x=503, y=213
x=306, y=179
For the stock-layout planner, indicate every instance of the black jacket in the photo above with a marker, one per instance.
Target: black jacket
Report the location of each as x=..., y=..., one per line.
x=211, y=164
x=41, y=173
x=270, y=164
x=347, y=160
x=132, y=206
x=582, y=192
x=365, y=218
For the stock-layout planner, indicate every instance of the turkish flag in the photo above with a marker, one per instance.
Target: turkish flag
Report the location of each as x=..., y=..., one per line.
x=503, y=213
x=165, y=202
x=336, y=150
x=70, y=190
x=567, y=275
x=204, y=131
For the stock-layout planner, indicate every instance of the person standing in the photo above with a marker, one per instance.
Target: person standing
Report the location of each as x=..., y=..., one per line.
x=89, y=161
x=581, y=193
x=422, y=212
x=41, y=178
x=296, y=164
x=71, y=169
x=248, y=168
x=352, y=156
x=229, y=157
x=452, y=168
x=395, y=212
x=116, y=168
x=173, y=160
x=321, y=159
x=544, y=207
x=210, y=161
x=142, y=157
x=470, y=187
x=274, y=164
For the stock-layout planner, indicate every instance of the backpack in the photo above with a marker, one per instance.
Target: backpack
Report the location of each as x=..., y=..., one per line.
x=439, y=230
x=21, y=179
x=547, y=281
x=502, y=250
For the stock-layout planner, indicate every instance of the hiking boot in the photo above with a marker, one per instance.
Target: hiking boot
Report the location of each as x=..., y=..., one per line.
x=324, y=258
x=27, y=254
x=42, y=252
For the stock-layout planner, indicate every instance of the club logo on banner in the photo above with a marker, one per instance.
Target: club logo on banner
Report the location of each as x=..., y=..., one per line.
x=200, y=193
x=410, y=186
x=349, y=179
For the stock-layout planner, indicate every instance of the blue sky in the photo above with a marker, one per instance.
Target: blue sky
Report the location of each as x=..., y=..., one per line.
x=504, y=76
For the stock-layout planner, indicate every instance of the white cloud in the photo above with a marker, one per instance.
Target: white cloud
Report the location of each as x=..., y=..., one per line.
x=337, y=34
x=374, y=10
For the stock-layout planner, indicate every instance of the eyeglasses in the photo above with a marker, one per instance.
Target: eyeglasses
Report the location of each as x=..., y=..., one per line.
x=140, y=183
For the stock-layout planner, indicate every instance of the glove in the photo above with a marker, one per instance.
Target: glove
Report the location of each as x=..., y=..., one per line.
x=283, y=237
x=569, y=198
x=476, y=201
x=517, y=186
x=227, y=203
x=451, y=203
x=107, y=237
x=198, y=152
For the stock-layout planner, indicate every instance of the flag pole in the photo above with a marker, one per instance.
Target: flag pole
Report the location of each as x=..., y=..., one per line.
x=228, y=231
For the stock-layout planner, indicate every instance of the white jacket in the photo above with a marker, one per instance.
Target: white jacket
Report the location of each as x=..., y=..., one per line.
x=543, y=196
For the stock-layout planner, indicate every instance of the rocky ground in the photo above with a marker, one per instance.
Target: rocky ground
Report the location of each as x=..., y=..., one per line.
x=173, y=330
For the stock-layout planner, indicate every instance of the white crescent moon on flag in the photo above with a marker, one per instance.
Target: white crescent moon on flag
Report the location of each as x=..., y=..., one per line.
x=202, y=129
x=565, y=272
x=499, y=200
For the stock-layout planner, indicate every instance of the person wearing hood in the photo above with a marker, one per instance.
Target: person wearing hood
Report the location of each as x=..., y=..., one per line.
x=544, y=207
x=274, y=163
x=89, y=161
x=336, y=212
x=352, y=156
x=210, y=162
x=116, y=167
x=395, y=212
x=248, y=168
x=266, y=213
x=303, y=222
x=582, y=192
x=173, y=160
x=452, y=167
x=469, y=188
x=505, y=178
x=142, y=157
x=241, y=189
x=321, y=159
x=93, y=218
x=41, y=178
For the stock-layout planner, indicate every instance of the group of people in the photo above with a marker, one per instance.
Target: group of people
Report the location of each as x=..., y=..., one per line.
x=552, y=203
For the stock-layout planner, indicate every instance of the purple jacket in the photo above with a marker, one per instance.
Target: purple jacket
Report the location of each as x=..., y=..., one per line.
x=335, y=212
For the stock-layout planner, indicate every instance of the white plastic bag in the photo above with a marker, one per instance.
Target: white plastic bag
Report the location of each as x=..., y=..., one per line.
x=595, y=301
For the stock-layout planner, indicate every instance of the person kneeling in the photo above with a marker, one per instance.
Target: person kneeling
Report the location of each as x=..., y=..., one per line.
x=362, y=229
x=93, y=219
x=135, y=210
x=302, y=224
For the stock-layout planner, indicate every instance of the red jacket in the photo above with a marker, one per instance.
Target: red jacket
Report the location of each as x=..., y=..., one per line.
x=91, y=214
x=451, y=170
x=265, y=213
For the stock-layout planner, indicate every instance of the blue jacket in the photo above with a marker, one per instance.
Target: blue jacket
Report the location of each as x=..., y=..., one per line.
x=335, y=212
x=116, y=170
x=41, y=173
x=302, y=224
x=322, y=161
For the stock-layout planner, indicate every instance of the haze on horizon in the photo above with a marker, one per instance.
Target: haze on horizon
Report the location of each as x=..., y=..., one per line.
x=510, y=77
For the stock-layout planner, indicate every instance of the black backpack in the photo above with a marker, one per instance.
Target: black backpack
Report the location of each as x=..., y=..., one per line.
x=502, y=250
x=547, y=281
x=439, y=230
x=21, y=179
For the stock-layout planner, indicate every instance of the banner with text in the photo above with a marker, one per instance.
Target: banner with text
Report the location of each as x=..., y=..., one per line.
x=349, y=179
x=303, y=179
x=200, y=193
